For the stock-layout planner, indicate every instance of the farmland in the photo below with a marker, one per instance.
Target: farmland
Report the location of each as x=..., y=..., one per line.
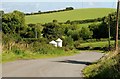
x=77, y=14
x=39, y=35
x=34, y=38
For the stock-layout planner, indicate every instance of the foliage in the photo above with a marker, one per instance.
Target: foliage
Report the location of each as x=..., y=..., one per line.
x=95, y=28
x=75, y=35
x=1, y=13
x=86, y=21
x=112, y=19
x=35, y=50
x=100, y=45
x=85, y=33
x=21, y=40
x=69, y=8
x=33, y=31
x=32, y=40
x=13, y=22
x=101, y=30
x=106, y=67
x=68, y=41
x=43, y=48
x=39, y=12
x=51, y=31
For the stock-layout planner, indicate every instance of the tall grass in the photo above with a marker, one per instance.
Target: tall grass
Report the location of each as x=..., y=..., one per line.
x=35, y=51
x=107, y=67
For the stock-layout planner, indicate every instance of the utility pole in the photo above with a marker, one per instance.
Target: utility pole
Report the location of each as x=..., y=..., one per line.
x=117, y=24
x=36, y=33
x=109, y=31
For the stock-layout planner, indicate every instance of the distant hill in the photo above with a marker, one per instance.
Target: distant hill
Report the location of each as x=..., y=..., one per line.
x=77, y=14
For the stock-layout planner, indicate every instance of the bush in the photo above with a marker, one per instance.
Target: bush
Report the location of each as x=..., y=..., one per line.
x=69, y=8
x=83, y=48
x=97, y=48
x=32, y=40
x=77, y=44
x=108, y=67
x=39, y=12
x=17, y=51
x=85, y=33
x=43, y=48
x=51, y=31
x=68, y=41
x=91, y=40
x=75, y=35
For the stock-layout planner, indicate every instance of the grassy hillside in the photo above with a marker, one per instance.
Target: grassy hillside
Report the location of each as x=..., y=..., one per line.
x=107, y=67
x=77, y=14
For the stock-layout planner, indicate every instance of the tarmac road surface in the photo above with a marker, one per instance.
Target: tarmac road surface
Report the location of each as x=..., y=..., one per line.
x=67, y=66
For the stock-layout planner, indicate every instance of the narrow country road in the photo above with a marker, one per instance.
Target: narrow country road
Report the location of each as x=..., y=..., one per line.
x=69, y=66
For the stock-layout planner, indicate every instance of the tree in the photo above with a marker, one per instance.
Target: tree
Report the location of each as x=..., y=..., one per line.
x=68, y=22
x=13, y=22
x=51, y=31
x=1, y=13
x=75, y=35
x=55, y=21
x=68, y=41
x=103, y=30
x=69, y=8
x=36, y=29
x=85, y=33
x=95, y=29
x=39, y=11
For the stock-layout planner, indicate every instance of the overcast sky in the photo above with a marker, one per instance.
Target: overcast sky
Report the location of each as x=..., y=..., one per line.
x=59, y=0
x=45, y=5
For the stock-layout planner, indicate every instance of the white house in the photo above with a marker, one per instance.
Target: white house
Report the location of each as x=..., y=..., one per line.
x=53, y=43
x=59, y=42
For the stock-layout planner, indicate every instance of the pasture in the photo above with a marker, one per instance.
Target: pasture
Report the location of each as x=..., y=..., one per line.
x=77, y=14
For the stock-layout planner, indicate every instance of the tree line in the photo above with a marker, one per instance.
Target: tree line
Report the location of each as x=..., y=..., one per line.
x=39, y=12
x=84, y=21
x=15, y=29
x=15, y=23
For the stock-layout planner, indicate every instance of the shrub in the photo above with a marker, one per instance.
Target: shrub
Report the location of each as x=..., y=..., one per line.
x=75, y=35
x=85, y=33
x=51, y=31
x=98, y=48
x=108, y=67
x=68, y=43
x=17, y=51
x=69, y=8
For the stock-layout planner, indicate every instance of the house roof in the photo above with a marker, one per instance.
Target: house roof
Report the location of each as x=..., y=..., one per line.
x=52, y=42
x=59, y=40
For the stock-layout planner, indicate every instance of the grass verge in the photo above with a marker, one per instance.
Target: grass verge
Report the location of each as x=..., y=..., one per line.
x=108, y=67
x=8, y=56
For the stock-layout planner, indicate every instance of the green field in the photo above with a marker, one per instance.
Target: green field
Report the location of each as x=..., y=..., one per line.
x=96, y=44
x=86, y=24
x=77, y=14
